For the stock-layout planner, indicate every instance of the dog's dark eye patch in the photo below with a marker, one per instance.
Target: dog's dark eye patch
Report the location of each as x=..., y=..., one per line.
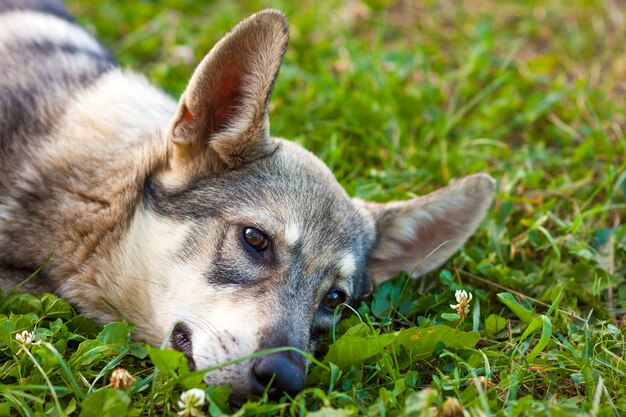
x=181, y=341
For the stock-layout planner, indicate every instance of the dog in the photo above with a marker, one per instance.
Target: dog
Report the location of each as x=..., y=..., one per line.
x=188, y=218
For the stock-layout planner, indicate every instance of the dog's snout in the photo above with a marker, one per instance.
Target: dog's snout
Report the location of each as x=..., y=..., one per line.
x=285, y=374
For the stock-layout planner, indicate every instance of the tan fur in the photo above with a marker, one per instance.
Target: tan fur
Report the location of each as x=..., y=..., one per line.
x=100, y=209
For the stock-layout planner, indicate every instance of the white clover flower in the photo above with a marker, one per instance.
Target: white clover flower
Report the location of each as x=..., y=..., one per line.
x=463, y=299
x=26, y=339
x=190, y=402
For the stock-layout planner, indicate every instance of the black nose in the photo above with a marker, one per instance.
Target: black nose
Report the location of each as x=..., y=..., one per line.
x=286, y=373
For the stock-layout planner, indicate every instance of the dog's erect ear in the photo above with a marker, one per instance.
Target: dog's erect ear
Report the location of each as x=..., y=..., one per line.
x=421, y=234
x=223, y=113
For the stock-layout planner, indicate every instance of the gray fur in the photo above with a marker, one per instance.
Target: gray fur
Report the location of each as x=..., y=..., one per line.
x=52, y=7
x=41, y=75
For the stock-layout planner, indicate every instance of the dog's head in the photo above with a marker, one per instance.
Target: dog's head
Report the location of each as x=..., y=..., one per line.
x=250, y=238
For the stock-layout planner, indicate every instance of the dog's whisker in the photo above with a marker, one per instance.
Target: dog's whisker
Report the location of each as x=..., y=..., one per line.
x=200, y=322
x=138, y=278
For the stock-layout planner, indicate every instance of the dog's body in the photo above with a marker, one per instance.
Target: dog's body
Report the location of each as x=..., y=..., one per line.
x=191, y=213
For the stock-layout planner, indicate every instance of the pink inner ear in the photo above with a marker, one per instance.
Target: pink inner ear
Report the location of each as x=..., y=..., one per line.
x=227, y=97
x=187, y=116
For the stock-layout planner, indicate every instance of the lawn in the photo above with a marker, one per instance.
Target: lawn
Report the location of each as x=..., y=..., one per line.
x=400, y=98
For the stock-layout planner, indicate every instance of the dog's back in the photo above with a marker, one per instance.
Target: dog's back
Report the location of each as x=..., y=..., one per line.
x=45, y=58
x=66, y=115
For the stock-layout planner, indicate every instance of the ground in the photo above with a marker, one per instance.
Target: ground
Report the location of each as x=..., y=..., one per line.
x=400, y=98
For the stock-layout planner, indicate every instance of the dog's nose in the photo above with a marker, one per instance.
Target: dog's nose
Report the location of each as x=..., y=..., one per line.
x=285, y=373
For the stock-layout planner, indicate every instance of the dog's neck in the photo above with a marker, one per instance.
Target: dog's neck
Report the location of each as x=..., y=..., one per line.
x=127, y=119
x=96, y=180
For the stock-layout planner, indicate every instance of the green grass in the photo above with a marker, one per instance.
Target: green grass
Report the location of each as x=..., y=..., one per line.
x=399, y=99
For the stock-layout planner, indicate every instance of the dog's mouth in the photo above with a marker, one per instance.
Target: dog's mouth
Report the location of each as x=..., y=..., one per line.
x=181, y=341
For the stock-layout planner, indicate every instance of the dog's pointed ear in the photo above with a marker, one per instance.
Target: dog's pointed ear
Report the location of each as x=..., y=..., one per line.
x=223, y=113
x=421, y=234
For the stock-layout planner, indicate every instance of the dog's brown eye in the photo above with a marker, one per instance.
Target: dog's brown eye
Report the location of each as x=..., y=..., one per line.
x=334, y=298
x=255, y=238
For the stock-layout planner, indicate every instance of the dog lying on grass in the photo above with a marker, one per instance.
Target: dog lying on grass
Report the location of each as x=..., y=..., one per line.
x=191, y=216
